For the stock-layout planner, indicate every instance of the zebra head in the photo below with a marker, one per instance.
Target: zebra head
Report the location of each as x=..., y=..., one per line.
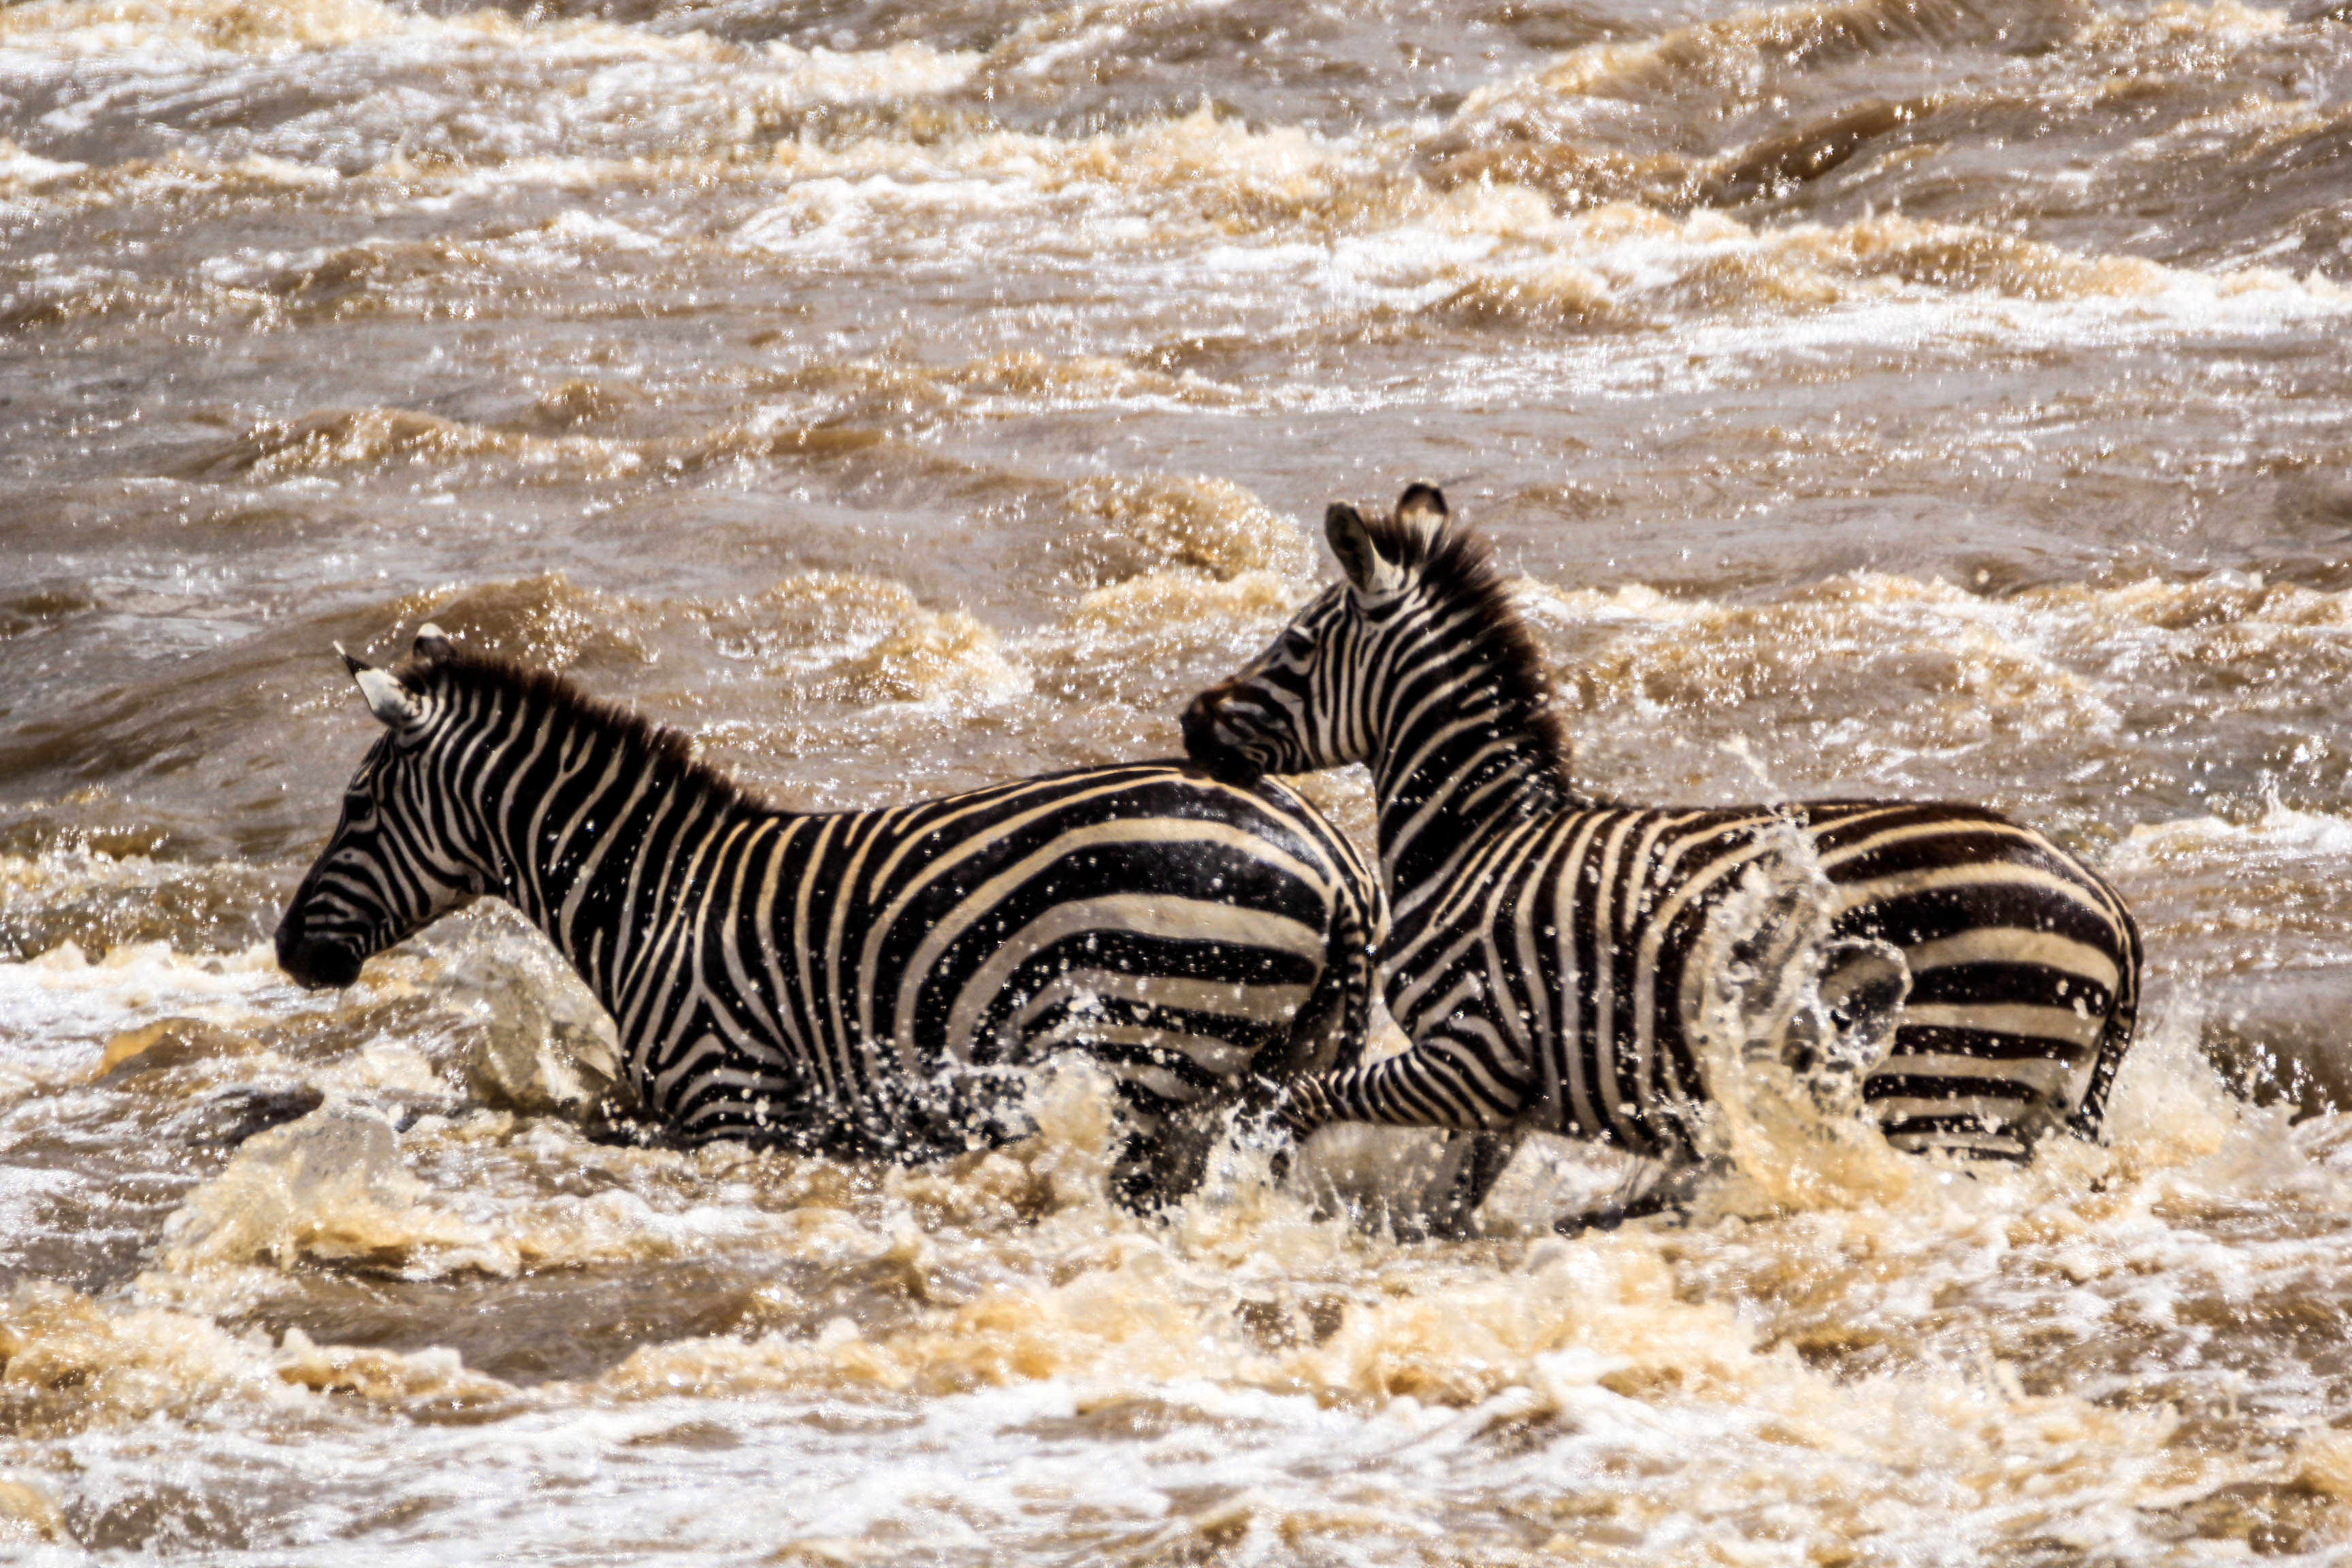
x=1310, y=700
x=391, y=866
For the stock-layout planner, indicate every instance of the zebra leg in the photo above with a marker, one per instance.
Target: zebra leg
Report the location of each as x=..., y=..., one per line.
x=1167, y=1148
x=1164, y=1149
x=1471, y=1162
x=978, y=1108
x=1329, y=1034
x=1444, y=1080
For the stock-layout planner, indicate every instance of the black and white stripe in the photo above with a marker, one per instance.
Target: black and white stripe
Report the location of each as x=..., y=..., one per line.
x=1559, y=962
x=849, y=980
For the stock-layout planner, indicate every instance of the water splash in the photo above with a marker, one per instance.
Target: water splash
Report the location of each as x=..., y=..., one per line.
x=1789, y=1021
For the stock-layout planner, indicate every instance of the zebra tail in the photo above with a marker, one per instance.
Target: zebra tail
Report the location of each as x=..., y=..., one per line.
x=1328, y=1031
x=2114, y=1040
x=1352, y=967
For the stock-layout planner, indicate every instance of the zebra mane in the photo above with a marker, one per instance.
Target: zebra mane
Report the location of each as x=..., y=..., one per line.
x=548, y=693
x=1456, y=563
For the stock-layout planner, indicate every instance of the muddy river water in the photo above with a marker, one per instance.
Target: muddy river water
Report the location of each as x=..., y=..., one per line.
x=1919, y=396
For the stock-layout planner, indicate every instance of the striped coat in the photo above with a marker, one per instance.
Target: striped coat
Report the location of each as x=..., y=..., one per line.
x=1586, y=968
x=855, y=982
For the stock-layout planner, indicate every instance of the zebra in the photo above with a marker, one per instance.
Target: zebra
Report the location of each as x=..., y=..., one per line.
x=1549, y=951
x=861, y=982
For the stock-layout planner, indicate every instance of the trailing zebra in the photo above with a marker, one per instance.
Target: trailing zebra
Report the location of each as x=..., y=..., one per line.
x=1549, y=953
x=855, y=982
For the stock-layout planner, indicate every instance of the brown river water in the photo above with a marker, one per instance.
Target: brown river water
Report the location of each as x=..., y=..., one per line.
x=1942, y=397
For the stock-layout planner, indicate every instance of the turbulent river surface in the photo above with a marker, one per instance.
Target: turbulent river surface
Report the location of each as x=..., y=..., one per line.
x=1901, y=396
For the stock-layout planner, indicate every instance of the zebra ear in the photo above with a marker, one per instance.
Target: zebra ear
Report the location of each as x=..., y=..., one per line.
x=432, y=642
x=387, y=699
x=1373, y=575
x=1422, y=510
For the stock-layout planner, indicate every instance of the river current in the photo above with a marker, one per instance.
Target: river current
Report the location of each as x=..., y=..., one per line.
x=1942, y=397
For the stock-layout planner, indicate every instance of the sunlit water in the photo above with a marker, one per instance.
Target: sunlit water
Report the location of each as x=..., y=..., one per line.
x=1947, y=398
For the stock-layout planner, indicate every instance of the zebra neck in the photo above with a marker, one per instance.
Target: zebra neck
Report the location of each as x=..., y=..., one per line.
x=1457, y=773
x=597, y=843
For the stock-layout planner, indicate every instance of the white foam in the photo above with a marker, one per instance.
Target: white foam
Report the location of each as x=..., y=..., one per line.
x=1104, y=1366
x=18, y=167
x=901, y=70
x=58, y=1008
x=2281, y=833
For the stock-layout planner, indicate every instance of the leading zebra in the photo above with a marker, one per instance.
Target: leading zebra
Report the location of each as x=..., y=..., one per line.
x=849, y=980
x=1548, y=952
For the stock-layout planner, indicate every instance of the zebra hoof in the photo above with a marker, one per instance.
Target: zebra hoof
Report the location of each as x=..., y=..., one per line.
x=622, y=1133
x=1278, y=1164
x=242, y=1113
x=1671, y=1193
x=1602, y=1220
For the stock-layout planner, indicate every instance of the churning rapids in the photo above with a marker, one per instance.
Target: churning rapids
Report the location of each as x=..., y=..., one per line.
x=1945, y=397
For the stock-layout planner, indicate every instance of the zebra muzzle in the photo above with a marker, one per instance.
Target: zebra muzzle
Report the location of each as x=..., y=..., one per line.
x=1207, y=747
x=315, y=965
